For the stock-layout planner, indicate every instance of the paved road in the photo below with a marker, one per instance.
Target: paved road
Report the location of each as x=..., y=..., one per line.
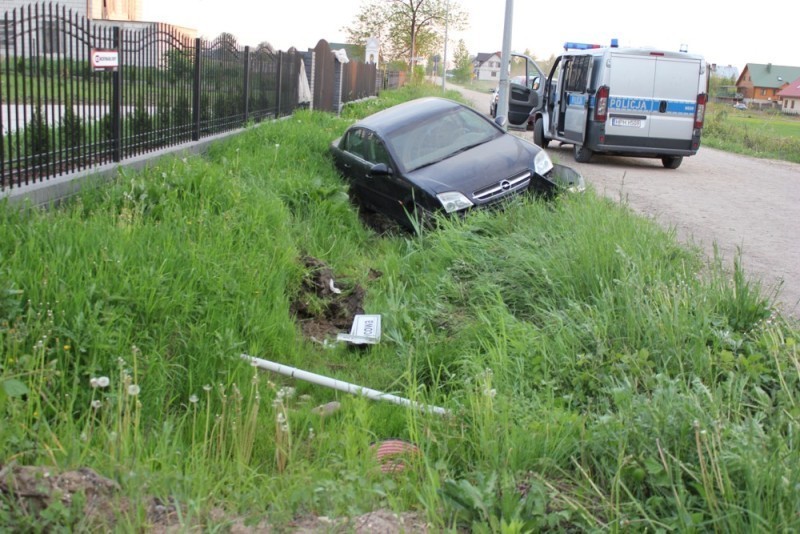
x=715, y=199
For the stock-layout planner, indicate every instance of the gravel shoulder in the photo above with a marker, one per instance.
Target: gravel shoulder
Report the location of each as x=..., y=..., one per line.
x=714, y=200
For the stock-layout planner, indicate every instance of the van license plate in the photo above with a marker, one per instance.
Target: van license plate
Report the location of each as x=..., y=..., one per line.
x=627, y=123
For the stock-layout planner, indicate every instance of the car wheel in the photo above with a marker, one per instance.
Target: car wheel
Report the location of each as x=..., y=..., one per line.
x=672, y=162
x=581, y=154
x=420, y=219
x=538, y=134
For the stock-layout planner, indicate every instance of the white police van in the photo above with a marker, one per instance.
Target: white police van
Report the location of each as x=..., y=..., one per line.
x=623, y=101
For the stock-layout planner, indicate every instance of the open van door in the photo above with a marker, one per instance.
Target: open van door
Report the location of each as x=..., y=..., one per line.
x=576, y=75
x=526, y=87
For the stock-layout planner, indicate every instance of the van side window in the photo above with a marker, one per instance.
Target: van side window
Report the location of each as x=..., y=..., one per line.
x=578, y=74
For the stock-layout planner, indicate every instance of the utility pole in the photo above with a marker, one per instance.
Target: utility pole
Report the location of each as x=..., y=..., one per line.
x=444, y=60
x=505, y=61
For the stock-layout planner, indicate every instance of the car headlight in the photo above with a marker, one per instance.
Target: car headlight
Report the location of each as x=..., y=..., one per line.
x=454, y=201
x=542, y=163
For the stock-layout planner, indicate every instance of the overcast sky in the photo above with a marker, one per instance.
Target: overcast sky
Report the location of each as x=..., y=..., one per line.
x=725, y=36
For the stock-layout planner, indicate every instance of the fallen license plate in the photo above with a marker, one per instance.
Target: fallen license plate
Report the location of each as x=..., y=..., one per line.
x=627, y=123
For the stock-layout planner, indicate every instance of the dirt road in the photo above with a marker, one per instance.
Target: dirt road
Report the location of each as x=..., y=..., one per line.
x=715, y=198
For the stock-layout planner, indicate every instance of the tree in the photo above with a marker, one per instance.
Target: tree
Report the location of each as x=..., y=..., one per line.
x=406, y=28
x=462, y=63
x=71, y=130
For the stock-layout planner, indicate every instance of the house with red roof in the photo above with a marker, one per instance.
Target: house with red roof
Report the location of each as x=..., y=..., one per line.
x=790, y=98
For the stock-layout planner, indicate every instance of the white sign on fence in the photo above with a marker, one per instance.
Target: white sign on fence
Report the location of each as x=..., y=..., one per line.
x=104, y=59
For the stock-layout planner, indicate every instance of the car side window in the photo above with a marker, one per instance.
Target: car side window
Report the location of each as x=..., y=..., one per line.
x=354, y=143
x=381, y=154
x=374, y=151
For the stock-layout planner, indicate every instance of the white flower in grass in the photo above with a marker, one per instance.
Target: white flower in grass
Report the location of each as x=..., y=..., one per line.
x=133, y=390
x=280, y=418
x=207, y=387
x=99, y=382
x=193, y=399
x=96, y=404
x=286, y=392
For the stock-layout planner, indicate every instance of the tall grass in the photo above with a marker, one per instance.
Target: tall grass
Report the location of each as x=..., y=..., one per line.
x=760, y=134
x=594, y=379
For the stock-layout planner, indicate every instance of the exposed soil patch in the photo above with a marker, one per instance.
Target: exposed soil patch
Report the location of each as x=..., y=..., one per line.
x=326, y=304
x=379, y=223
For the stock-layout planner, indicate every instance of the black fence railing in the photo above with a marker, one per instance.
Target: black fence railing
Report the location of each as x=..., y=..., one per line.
x=59, y=114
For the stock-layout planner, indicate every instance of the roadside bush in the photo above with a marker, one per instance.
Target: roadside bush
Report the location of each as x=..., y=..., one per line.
x=71, y=131
x=38, y=138
x=141, y=124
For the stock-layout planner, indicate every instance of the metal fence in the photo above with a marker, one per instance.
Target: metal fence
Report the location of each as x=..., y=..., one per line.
x=358, y=81
x=60, y=115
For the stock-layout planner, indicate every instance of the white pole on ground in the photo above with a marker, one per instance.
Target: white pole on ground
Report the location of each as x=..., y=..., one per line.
x=339, y=385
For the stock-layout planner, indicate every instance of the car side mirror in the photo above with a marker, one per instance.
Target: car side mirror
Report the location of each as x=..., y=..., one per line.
x=380, y=169
x=500, y=121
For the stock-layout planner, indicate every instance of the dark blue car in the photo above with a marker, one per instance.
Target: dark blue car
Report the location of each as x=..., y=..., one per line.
x=436, y=155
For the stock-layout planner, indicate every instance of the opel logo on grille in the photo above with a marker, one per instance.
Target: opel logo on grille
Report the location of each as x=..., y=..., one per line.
x=506, y=185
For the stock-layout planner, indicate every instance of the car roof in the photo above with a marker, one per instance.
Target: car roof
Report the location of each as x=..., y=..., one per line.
x=401, y=115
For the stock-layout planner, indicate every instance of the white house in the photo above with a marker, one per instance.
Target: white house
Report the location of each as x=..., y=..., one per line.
x=486, y=66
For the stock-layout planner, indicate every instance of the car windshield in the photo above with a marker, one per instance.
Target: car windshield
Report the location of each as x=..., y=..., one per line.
x=440, y=136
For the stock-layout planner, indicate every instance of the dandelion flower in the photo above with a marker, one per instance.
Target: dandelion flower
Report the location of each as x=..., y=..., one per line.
x=133, y=390
x=96, y=404
x=99, y=382
x=193, y=399
x=207, y=387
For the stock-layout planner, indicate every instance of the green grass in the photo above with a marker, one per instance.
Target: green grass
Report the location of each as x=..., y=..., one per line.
x=753, y=133
x=599, y=376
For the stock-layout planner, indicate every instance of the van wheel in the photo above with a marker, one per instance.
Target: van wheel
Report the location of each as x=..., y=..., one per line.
x=581, y=153
x=672, y=162
x=538, y=134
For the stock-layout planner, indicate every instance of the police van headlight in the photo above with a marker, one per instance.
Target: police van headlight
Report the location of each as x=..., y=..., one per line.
x=542, y=163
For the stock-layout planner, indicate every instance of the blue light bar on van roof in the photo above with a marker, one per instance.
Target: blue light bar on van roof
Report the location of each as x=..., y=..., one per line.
x=587, y=46
x=580, y=46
